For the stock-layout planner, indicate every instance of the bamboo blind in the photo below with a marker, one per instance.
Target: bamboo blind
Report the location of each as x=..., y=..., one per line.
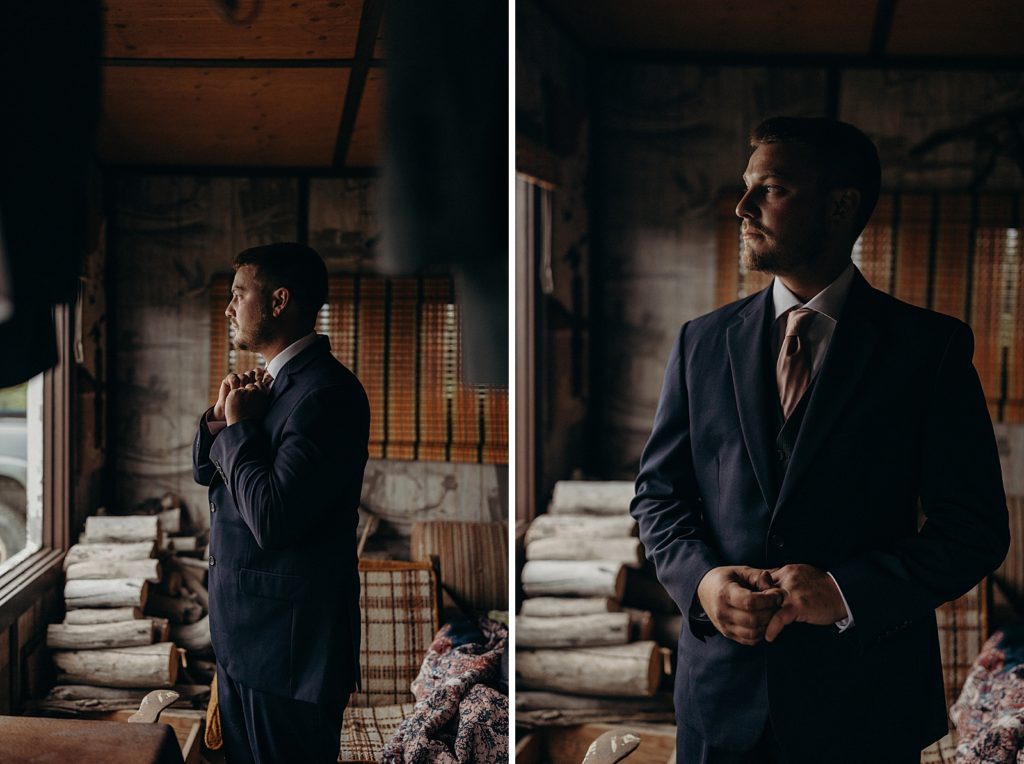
x=402, y=338
x=959, y=254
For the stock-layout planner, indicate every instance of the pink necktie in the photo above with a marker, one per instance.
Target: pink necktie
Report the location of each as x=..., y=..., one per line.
x=793, y=371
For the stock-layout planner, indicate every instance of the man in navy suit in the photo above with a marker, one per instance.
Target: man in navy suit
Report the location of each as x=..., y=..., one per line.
x=283, y=452
x=821, y=475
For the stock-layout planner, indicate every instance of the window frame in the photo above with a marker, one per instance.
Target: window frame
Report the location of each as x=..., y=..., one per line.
x=24, y=583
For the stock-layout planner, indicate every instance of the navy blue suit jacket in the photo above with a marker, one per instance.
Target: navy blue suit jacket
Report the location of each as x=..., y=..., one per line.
x=896, y=421
x=284, y=493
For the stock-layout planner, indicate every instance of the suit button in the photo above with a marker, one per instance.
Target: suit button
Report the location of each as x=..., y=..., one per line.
x=777, y=540
x=213, y=507
x=213, y=561
x=780, y=454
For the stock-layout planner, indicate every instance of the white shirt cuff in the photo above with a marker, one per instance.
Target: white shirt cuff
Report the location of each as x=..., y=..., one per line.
x=847, y=622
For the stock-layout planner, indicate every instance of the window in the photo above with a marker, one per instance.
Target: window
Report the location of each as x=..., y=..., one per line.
x=402, y=338
x=959, y=254
x=36, y=478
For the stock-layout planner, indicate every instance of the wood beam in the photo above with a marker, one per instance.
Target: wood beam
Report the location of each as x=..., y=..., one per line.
x=369, y=25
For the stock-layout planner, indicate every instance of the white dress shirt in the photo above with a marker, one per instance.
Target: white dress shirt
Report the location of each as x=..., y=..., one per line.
x=279, y=361
x=827, y=305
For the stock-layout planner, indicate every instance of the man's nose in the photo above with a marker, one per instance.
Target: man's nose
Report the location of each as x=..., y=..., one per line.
x=229, y=311
x=744, y=208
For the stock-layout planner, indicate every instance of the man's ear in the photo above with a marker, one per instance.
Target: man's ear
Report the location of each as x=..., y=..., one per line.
x=279, y=300
x=845, y=202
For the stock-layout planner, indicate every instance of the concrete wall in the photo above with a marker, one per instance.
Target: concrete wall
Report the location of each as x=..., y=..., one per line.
x=171, y=235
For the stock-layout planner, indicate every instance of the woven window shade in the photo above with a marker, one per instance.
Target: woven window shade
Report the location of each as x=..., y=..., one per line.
x=402, y=338
x=959, y=254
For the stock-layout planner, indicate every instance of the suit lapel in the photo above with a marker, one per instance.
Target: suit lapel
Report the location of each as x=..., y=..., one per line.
x=844, y=365
x=747, y=342
x=284, y=380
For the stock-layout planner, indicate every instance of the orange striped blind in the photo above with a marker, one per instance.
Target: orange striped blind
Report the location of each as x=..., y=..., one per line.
x=402, y=338
x=956, y=253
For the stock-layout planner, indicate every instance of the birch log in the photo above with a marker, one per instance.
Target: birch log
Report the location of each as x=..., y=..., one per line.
x=149, y=569
x=582, y=579
x=533, y=700
x=82, y=699
x=152, y=666
x=99, y=635
x=176, y=609
x=171, y=583
x=641, y=625
x=194, y=583
x=546, y=526
x=598, y=497
x=632, y=670
x=161, y=629
x=102, y=615
x=114, y=592
x=192, y=636
x=628, y=551
x=139, y=550
x=573, y=631
x=179, y=544
x=550, y=607
x=86, y=692
x=170, y=520
x=120, y=529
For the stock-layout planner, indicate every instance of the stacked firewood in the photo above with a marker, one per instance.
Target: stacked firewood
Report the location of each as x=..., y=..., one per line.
x=585, y=635
x=136, y=611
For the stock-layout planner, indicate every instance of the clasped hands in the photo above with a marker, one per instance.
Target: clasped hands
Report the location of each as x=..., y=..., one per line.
x=749, y=604
x=242, y=396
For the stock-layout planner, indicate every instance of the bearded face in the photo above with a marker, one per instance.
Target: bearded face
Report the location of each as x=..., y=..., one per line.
x=784, y=210
x=249, y=311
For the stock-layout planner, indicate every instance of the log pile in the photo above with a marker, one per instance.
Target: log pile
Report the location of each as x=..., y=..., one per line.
x=135, y=613
x=582, y=653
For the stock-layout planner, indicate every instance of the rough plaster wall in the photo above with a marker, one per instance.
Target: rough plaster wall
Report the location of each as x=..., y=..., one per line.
x=172, y=235
x=551, y=106
x=901, y=109
x=672, y=139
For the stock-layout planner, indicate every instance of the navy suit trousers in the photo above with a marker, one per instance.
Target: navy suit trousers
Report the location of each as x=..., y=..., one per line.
x=260, y=728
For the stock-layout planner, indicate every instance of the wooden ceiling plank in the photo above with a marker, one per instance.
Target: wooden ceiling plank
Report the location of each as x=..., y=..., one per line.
x=369, y=24
x=236, y=63
x=293, y=29
x=215, y=116
x=366, y=144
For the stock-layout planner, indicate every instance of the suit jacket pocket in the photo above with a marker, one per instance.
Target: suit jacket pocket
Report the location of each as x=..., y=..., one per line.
x=278, y=586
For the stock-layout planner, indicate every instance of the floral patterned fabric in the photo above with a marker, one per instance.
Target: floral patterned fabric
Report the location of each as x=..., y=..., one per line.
x=989, y=715
x=460, y=716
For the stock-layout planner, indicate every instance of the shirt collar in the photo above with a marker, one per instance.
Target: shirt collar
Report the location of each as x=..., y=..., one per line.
x=282, y=358
x=829, y=301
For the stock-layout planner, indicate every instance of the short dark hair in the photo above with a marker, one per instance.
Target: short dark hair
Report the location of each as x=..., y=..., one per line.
x=291, y=265
x=846, y=156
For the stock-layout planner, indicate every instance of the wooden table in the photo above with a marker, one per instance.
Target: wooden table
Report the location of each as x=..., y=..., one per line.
x=35, y=740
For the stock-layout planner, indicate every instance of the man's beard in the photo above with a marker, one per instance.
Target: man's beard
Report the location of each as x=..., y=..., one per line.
x=782, y=259
x=257, y=336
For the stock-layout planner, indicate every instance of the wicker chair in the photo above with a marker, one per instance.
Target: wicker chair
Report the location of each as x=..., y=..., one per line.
x=399, y=606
